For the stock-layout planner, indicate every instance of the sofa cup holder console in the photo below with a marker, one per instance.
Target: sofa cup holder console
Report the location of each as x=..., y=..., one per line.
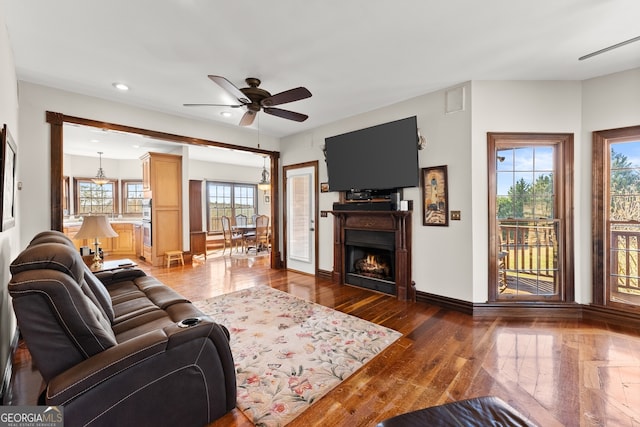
x=189, y=321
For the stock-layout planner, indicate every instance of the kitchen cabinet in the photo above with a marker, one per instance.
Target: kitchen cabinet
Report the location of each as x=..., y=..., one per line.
x=123, y=244
x=137, y=240
x=164, y=175
x=146, y=174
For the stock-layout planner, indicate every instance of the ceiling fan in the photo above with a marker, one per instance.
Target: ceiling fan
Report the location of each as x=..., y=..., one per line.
x=256, y=99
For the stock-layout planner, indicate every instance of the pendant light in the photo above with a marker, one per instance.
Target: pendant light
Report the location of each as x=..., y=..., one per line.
x=264, y=183
x=100, y=178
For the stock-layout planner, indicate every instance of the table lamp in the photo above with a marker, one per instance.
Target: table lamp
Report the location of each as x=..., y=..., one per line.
x=94, y=227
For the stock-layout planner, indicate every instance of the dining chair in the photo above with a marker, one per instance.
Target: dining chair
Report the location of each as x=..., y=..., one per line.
x=230, y=238
x=241, y=221
x=260, y=240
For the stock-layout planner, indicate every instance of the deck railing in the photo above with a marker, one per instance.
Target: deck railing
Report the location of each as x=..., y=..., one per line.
x=624, y=256
x=530, y=246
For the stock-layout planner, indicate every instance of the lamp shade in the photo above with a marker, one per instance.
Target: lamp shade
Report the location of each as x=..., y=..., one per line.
x=95, y=226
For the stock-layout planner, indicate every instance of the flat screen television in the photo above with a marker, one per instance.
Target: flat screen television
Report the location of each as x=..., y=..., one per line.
x=382, y=157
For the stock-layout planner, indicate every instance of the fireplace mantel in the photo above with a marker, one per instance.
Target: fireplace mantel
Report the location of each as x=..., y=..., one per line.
x=398, y=222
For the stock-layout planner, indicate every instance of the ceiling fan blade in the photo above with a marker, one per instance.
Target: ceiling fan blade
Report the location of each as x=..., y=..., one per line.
x=248, y=118
x=231, y=88
x=286, y=96
x=286, y=114
x=212, y=105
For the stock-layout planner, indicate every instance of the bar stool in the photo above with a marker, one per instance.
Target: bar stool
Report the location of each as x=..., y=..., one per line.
x=174, y=256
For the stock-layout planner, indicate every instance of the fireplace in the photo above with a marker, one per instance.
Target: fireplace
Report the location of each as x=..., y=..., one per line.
x=372, y=249
x=370, y=260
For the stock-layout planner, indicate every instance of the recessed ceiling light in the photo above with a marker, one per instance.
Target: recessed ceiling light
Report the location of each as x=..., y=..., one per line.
x=121, y=86
x=225, y=114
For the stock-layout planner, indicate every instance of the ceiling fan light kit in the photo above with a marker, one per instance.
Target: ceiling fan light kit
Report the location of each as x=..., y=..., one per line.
x=256, y=99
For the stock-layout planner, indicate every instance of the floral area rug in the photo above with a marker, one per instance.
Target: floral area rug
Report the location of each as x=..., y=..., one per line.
x=290, y=352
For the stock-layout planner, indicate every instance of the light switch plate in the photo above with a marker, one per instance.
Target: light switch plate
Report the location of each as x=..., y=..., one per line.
x=455, y=215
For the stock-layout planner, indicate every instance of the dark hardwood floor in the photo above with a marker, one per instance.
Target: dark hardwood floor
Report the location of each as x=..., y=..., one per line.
x=556, y=372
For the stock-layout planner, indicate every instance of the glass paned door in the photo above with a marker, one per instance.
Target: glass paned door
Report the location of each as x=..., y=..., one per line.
x=527, y=230
x=300, y=208
x=624, y=223
x=529, y=218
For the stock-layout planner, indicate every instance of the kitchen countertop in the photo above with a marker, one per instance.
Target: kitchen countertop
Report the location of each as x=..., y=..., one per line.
x=76, y=221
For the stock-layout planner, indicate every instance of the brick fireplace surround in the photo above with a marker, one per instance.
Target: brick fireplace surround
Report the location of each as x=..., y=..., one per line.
x=398, y=222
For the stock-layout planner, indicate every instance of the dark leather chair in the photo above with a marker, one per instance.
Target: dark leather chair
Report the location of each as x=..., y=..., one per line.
x=476, y=412
x=118, y=346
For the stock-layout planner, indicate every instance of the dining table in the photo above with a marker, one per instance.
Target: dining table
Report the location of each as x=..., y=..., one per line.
x=244, y=230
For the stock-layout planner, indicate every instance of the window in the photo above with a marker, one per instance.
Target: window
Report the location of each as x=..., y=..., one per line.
x=66, y=205
x=530, y=217
x=230, y=199
x=616, y=218
x=94, y=198
x=132, y=196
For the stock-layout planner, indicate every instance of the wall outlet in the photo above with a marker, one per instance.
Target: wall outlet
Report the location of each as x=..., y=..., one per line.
x=455, y=215
x=324, y=214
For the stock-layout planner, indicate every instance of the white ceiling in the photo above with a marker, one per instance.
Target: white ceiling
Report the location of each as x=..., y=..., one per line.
x=89, y=141
x=354, y=56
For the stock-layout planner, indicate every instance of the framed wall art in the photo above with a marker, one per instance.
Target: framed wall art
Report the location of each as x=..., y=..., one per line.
x=8, y=171
x=435, y=198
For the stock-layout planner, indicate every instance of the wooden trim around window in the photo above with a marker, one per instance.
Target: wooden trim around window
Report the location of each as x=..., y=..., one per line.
x=599, y=191
x=76, y=194
x=123, y=197
x=564, y=199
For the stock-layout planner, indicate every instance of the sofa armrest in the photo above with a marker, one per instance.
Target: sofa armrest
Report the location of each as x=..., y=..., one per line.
x=117, y=359
x=119, y=275
x=126, y=358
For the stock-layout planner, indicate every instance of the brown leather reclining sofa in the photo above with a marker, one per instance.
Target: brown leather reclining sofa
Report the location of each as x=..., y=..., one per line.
x=118, y=347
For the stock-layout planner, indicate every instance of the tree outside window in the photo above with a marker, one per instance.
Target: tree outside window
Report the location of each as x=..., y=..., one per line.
x=92, y=198
x=132, y=197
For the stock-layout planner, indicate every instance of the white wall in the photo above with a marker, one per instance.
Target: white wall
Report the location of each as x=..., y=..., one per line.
x=608, y=102
x=442, y=256
x=83, y=166
x=208, y=171
x=448, y=261
x=9, y=239
x=452, y=261
x=35, y=100
x=517, y=106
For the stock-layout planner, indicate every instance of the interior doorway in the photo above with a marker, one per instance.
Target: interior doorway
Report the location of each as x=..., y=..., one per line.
x=57, y=185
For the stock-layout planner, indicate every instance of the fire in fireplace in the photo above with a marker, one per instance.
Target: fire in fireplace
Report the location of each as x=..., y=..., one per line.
x=369, y=260
x=374, y=265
